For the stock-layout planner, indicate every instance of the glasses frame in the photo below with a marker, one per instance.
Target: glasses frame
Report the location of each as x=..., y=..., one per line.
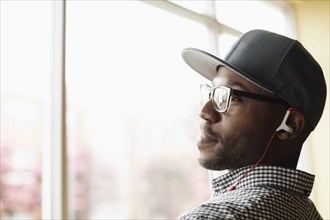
x=235, y=92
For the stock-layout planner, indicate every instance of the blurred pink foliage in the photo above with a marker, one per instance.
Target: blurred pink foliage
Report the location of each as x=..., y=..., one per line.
x=79, y=166
x=20, y=188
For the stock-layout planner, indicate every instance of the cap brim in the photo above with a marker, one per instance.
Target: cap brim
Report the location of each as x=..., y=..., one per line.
x=207, y=64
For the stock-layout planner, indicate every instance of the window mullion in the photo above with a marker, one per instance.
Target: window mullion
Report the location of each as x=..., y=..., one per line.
x=191, y=15
x=54, y=184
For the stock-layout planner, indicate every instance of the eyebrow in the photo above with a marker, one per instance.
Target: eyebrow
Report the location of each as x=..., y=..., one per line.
x=235, y=83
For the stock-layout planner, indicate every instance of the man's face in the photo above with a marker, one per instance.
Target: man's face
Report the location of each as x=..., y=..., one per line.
x=239, y=136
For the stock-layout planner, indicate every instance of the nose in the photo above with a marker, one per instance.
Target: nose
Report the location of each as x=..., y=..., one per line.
x=208, y=113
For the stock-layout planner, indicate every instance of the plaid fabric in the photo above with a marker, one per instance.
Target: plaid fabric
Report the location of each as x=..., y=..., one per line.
x=267, y=192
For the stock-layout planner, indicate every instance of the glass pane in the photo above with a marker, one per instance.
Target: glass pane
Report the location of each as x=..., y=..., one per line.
x=248, y=15
x=226, y=41
x=133, y=112
x=25, y=74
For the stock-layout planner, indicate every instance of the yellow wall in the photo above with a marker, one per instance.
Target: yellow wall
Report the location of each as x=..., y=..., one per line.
x=312, y=19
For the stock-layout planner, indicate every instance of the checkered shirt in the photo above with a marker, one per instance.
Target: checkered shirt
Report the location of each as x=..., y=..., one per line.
x=267, y=192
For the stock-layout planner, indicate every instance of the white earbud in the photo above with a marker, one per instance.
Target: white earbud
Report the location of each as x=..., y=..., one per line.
x=283, y=125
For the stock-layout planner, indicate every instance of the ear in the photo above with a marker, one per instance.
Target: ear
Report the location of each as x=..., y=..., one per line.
x=296, y=121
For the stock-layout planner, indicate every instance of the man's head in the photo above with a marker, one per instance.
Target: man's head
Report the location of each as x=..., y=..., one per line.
x=265, y=64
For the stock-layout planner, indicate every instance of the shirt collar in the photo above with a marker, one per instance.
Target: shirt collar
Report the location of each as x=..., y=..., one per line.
x=295, y=181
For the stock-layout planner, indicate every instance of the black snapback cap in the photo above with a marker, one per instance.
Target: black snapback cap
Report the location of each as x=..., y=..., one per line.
x=273, y=62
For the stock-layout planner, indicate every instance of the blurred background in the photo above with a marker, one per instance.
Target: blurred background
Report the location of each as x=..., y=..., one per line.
x=99, y=113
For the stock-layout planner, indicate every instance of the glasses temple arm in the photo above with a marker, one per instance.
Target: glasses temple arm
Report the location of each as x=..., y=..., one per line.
x=259, y=97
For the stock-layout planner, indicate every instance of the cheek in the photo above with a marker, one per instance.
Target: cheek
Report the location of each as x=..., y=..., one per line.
x=253, y=117
x=236, y=126
x=250, y=117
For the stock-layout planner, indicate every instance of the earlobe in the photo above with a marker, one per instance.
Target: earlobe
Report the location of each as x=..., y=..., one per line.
x=296, y=121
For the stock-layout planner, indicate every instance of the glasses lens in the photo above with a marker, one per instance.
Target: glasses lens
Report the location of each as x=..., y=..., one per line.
x=221, y=99
x=205, y=94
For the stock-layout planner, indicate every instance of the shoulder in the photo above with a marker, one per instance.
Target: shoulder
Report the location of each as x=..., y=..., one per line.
x=226, y=206
x=208, y=211
x=264, y=203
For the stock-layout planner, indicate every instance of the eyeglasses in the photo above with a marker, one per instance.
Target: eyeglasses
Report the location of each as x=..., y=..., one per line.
x=221, y=97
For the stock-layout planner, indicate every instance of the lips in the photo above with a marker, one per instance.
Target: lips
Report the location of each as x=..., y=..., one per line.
x=206, y=137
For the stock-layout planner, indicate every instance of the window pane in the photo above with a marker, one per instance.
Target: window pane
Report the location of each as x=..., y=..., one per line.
x=226, y=41
x=25, y=73
x=133, y=112
x=248, y=15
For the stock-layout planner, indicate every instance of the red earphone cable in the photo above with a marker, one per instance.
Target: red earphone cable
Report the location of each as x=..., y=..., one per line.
x=262, y=157
x=254, y=166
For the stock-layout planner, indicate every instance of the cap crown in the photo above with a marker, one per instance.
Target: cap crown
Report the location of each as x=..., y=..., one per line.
x=283, y=66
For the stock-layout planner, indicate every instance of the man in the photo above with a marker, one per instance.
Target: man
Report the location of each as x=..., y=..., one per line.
x=266, y=97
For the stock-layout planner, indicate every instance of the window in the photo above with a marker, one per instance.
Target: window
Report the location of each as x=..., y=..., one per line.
x=131, y=104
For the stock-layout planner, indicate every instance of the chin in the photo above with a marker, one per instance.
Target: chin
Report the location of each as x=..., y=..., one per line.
x=211, y=164
x=210, y=156
x=219, y=161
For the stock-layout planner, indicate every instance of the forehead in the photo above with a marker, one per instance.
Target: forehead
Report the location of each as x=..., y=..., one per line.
x=227, y=77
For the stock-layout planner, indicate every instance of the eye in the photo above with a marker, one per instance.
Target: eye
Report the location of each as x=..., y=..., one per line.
x=235, y=98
